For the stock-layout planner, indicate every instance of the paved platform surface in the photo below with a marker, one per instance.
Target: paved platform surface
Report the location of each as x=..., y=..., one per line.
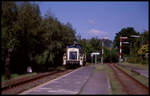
x=69, y=84
x=97, y=84
x=84, y=80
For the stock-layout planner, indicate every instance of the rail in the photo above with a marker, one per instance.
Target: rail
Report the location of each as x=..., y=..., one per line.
x=130, y=84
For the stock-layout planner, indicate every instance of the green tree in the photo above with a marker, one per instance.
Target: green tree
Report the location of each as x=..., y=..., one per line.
x=9, y=14
x=95, y=43
x=56, y=37
x=110, y=55
x=32, y=37
x=27, y=28
x=107, y=43
x=143, y=50
x=144, y=37
x=126, y=32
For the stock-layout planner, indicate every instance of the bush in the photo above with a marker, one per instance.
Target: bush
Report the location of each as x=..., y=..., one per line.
x=110, y=55
x=39, y=62
x=40, y=59
x=137, y=59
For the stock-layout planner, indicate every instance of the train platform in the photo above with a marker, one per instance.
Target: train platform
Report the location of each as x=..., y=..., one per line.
x=84, y=80
x=97, y=84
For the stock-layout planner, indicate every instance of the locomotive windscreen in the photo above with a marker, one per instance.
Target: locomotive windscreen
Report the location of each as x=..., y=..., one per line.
x=76, y=46
x=73, y=55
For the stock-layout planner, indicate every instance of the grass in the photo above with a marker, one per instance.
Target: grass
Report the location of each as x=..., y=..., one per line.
x=137, y=59
x=142, y=66
x=16, y=76
x=99, y=67
x=88, y=63
x=140, y=78
x=115, y=84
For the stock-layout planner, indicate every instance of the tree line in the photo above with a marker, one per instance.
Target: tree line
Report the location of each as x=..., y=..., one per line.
x=28, y=39
x=95, y=45
x=137, y=47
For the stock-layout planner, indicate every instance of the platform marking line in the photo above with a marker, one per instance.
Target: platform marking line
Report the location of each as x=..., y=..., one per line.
x=40, y=89
x=109, y=86
x=45, y=88
x=34, y=88
x=62, y=90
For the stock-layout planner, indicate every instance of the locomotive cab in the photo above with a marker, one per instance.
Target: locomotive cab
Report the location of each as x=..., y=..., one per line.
x=74, y=55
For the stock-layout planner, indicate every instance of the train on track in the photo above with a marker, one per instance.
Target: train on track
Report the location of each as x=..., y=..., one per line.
x=74, y=55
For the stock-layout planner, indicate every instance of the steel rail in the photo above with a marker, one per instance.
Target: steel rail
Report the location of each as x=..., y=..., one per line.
x=29, y=80
x=118, y=71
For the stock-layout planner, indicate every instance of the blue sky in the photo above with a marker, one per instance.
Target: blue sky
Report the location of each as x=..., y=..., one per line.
x=101, y=19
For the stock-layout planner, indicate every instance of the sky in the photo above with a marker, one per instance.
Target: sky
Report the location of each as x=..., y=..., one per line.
x=99, y=19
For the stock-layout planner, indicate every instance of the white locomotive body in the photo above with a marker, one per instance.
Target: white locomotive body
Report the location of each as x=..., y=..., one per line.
x=74, y=55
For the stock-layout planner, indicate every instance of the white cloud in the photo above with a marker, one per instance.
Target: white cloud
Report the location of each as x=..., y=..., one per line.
x=106, y=38
x=98, y=33
x=92, y=22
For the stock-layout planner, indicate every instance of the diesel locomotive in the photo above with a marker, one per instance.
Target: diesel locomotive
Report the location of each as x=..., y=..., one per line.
x=74, y=55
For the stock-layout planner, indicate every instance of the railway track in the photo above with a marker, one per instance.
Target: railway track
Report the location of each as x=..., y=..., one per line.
x=129, y=84
x=27, y=82
x=133, y=69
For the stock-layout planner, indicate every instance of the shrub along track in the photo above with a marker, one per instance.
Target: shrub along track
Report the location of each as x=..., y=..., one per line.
x=27, y=82
x=129, y=84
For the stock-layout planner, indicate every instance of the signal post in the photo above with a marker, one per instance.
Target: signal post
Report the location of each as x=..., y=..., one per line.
x=121, y=38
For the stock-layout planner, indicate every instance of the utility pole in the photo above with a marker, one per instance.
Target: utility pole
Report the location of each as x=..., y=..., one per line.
x=95, y=59
x=120, y=50
x=102, y=50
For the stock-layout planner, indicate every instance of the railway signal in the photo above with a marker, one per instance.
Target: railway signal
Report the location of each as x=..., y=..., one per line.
x=121, y=38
